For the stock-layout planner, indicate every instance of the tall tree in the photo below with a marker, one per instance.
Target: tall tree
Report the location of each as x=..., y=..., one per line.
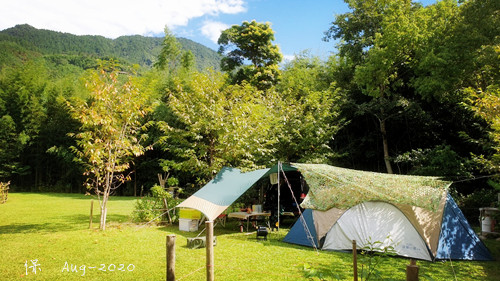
x=378, y=38
x=400, y=68
x=251, y=41
x=109, y=137
x=170, y=51
x=307, y=106
x=217, y=125
x=10, y=148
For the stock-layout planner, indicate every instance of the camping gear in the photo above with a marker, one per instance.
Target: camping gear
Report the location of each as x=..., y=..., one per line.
x=415, y=214
x=486, y=217
x=199, y=242
x=262, y=232
x=189, y=219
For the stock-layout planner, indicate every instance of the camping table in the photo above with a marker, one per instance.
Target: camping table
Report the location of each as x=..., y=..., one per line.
x=246, y=216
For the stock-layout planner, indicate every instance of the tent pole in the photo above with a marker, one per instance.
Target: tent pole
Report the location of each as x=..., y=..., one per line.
x=278, y=222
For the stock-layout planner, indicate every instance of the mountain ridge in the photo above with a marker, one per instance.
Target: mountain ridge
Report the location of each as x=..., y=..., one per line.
x=135, y=49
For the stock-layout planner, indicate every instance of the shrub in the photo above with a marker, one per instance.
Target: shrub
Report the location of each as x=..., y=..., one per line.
x=151, y=207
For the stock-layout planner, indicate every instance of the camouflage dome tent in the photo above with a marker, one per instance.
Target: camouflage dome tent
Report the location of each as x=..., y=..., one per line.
x=414, y=214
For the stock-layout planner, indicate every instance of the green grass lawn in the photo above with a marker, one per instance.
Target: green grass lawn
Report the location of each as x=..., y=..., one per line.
x=53, y=229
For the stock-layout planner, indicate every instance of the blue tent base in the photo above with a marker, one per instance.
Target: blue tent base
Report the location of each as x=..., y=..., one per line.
x=457, y=240
x=298, y=234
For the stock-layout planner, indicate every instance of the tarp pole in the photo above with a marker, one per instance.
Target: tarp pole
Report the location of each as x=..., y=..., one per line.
x=278, y=222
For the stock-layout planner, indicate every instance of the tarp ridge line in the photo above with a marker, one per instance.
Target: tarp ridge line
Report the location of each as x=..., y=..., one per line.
x=303, y=221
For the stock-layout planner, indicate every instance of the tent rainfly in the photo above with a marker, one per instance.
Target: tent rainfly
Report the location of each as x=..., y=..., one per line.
x=413, y=214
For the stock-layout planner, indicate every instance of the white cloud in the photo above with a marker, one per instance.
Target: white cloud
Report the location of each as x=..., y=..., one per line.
x=112, y=18
x=288, y=58
x=213, y=29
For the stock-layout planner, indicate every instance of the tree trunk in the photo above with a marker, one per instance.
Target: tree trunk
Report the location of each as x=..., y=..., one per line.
x=102, y=224
x=385, y=143
x=135, y=180
x=104, y=210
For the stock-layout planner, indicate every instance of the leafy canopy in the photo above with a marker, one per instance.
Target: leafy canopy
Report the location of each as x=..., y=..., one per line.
x=251, y=41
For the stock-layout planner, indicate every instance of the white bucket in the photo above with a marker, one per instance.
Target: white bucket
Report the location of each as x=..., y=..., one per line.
x=486, y=224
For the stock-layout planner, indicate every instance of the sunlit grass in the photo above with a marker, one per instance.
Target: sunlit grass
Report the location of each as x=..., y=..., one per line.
x=53, y=228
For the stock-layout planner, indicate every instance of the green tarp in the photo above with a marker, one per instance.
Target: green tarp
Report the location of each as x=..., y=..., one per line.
x=227, y=186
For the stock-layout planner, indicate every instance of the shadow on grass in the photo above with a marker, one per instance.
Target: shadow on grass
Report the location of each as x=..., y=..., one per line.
x=21, y=228
x=80, y=196
x=324, y=272
x=63, y=223
x=492, y=268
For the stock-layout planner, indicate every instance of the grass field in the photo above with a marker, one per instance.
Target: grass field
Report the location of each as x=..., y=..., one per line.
x=54, y=230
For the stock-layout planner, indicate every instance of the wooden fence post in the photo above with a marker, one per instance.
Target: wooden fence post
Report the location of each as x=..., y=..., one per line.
x=210, y=250
x=171, y=257
x=412, y=271
x=91, y=212
x=355, y=260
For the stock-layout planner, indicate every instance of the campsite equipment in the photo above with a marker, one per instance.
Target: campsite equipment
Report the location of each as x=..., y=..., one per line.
x=262, y=232
x=486, y=216
x=414, y=214
x=199, y=242
x=188, y=219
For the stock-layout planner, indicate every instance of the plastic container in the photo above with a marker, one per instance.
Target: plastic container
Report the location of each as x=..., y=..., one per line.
x=188, y=225
x=185, y=213
x=257, y=208
x=486, y=224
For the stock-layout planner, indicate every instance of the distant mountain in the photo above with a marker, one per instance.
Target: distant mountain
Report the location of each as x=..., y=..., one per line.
x=22, y=41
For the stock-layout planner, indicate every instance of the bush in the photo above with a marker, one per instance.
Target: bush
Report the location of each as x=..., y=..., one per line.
x=151, y=208
x=470, y=204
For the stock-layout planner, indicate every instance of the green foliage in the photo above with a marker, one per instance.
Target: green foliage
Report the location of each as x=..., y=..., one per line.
x=10, y=148
x=477, y=199
x=438, y=161
x=109, y=138
x=373, y=254
x=24, y=41
x=169, y=54
x=145, y=210
x=152, y=208
x=251, y=41
x=306, y=105
x=217, y=125
x=401, y=67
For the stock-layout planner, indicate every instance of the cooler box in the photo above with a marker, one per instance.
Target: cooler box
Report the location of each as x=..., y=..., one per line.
x=188, y=219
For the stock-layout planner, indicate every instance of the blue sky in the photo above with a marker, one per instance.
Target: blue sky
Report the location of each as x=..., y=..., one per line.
x=298, y=24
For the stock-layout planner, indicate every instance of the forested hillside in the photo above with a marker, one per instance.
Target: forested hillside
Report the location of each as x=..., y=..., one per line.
x=24, y=41
x=410, y=90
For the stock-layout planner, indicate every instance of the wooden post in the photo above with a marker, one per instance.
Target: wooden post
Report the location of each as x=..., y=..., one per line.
x=165, y=204
x=91, y=212
x=171, y=257
x=355, y=260
x=210, y=250
x=412, y=271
